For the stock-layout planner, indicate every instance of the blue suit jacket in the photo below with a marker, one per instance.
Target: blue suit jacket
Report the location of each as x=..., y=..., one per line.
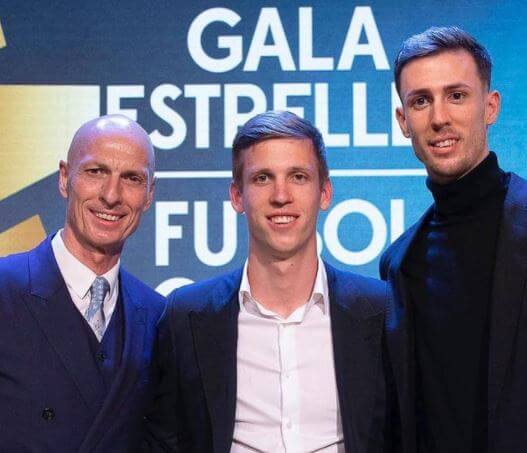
x=48, y=383
x=507, y=374
x=196, y=403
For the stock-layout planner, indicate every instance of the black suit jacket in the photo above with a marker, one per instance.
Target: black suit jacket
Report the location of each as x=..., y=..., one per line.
x=48, y=381
x=196, y=404
x=507, y=374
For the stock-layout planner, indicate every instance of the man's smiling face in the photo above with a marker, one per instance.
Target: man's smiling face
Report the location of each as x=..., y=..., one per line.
x=281, y=194
x=446, y=110
x=108, y=185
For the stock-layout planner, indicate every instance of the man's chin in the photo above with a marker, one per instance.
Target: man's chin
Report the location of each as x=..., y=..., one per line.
x=287, y=251
x=445, y=175
x=107, y=245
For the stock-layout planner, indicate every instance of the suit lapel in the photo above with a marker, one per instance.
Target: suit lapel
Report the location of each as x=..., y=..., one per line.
x=400, y=335
x=398, y=310
x=215, y=333
x=357, y=333
x=509, y=288
x=134, y=314
x=134, y=319
x=52, y=307
x=403, y=245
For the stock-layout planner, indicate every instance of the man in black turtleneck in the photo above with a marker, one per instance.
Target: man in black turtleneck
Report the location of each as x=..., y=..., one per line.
x=457, y=329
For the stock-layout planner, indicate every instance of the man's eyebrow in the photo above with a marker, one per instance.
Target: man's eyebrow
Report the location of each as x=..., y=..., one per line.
x=418, y=92
x=289, y=170
x=93, y=163
x=455, y=86
x=452, y=86
x=141, y=173
x=307, y=168
x=257, y=170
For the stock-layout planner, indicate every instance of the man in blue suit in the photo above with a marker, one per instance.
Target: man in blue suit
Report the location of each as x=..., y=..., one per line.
x=457, y=328
x=284, y=354
x=76, y=330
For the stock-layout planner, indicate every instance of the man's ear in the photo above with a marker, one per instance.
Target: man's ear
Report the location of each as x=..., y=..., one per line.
x=235, y=194
x=401, y=119
x=326, y=194
x=150, y=194
x=63, y=178
x=492, y=107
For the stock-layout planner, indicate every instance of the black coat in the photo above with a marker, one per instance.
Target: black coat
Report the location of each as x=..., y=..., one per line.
x=507, y=374
x=195, y=410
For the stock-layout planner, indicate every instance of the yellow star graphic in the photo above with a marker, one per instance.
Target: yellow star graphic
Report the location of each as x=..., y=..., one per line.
x=37, y=123
x=24, y=236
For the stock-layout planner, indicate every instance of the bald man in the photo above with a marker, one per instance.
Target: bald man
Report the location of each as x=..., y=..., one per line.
x=76, y=330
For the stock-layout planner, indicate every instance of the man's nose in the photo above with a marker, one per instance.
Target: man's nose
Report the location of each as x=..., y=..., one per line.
x=440, y=115
x=281, y=193
x=111, y=191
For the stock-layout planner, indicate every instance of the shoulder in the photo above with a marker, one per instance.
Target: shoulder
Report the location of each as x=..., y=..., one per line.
x=207, y=295
x=393, y=248
x=395, y=251
x=345, y=280
x=14, y=272
x=517, y=188
x=14, y=264
x=350, y=289
x=141, y=292
x=518, y=179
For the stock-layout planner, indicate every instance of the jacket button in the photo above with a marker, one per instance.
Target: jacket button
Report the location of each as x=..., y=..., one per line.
x=100, y=356
x=48, y=414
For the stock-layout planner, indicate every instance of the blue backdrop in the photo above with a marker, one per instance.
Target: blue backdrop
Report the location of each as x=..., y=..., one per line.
x=191, y=72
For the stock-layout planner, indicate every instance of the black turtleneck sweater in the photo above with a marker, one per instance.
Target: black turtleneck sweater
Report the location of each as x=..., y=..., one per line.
x=449, y=269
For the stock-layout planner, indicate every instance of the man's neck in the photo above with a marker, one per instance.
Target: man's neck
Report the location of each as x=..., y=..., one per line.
x=98, y=261
x=282, y=285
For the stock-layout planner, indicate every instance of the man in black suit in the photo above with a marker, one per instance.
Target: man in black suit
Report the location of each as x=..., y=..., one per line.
x=284, y=354
x=76, y=330
x=456, y=331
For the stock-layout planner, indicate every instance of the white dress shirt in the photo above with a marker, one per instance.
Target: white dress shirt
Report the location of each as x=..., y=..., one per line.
x=286, y=397
x=79, y=278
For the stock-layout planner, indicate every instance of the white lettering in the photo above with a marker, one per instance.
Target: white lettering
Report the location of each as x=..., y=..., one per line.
x=305, y=42
x=202, y=94
x=361, y=136
x=233, y=118
x=174, y=119
x=396, y=219
x=115, y=93
x=322, y=118
x=363, y=19
x=201, y=235
x=164, y=231
x=269, y=23
x=281, y=91
x=234, y=44
x=166, y=287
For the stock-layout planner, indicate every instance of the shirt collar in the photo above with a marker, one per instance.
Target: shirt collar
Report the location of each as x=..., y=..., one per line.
x=77, y=276
x=319, y=296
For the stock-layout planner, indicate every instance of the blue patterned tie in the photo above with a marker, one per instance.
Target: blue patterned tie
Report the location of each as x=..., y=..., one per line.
x=94, y=313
